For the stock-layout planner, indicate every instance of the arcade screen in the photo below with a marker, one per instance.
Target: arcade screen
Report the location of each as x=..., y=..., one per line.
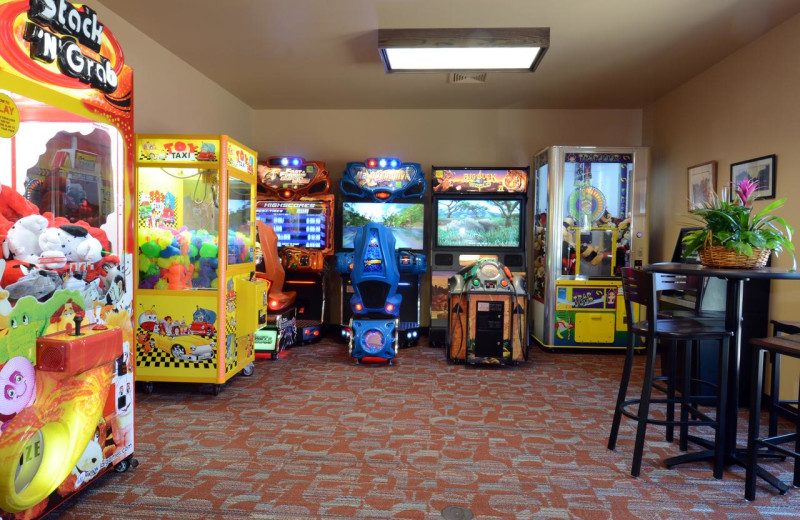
x=479, y=223
x=297, y=223
x=407, y=222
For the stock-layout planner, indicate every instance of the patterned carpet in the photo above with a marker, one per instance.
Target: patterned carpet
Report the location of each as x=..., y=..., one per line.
x=312, y=435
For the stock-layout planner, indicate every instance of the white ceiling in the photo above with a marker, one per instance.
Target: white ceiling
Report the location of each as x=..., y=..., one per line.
x=319, y=54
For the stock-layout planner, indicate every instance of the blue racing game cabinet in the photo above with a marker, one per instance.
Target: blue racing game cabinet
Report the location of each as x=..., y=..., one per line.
x=390, y=192
x=374, y=267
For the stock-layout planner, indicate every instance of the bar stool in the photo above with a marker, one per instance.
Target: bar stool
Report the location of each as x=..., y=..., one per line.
x=642, y=288
x=788, y=345
x=775, y=404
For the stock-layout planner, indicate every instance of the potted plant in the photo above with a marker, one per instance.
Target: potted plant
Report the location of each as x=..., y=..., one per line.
x=734, y=235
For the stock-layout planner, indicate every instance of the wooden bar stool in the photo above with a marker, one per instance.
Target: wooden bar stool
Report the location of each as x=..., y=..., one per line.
x=787, y=345
x=642, y=288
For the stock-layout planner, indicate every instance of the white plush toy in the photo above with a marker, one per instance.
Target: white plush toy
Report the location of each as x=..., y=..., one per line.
x=23, y=239
x=75, y=242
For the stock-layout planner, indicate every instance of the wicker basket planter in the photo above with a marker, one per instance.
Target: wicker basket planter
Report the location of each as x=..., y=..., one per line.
x=718, y=256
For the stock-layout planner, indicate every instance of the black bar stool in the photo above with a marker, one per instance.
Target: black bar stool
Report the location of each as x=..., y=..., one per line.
x=775, y=404
x=787, y=345
x=642, y=288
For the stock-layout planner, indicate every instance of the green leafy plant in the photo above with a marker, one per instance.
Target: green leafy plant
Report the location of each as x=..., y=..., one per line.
x=734, y=225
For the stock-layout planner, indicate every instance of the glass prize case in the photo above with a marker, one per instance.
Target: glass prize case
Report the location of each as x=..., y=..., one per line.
x=589, y=222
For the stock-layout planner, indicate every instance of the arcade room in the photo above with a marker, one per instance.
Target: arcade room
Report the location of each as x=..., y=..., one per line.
x=399, y=260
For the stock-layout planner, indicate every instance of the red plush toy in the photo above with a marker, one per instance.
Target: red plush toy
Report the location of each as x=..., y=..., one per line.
x=13, y=206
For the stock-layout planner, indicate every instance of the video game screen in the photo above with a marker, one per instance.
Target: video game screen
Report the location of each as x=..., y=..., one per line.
x=479, y=223
x=406, y=221
x=303, y=224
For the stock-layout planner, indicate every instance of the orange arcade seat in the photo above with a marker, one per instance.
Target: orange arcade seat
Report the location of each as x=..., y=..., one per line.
x=280, y=331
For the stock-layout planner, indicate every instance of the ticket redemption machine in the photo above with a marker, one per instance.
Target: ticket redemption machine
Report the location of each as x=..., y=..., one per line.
x=66, y=158
x=488, y=315
x=197, y=299
x=589, y=223
x=477, y=213
x=389, y=192
x=294, y=198
x=374, y=267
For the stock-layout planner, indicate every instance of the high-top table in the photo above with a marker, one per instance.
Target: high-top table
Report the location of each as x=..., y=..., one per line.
x=734, y=308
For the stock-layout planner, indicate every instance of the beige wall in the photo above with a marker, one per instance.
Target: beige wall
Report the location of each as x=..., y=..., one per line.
x=170, y=96
x=442, y=137
x=744, y=107
x=435, y=137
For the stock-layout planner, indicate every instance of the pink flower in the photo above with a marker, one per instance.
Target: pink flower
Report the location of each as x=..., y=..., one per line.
x=745, y=189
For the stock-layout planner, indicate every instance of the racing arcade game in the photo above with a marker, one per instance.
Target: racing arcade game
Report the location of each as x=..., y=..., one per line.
x=388, y=192
x=478, y=213
x=66, y=292
x=294, y=200
x=374, y=267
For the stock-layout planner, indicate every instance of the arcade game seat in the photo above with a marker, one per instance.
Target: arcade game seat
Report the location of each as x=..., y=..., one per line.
x=281, y=329
x=375, y=267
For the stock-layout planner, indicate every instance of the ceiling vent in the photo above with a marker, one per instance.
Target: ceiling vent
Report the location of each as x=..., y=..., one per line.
x=467, y=77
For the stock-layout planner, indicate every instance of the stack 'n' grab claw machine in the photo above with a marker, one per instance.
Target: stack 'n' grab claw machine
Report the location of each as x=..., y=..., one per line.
x=66, y=283
x=198, y=301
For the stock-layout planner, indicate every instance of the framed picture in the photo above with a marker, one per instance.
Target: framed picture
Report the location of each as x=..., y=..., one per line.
x=761, y=169
x=702, y=184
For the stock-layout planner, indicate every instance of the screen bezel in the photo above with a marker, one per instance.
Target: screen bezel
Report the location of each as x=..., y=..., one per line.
x=340, y=221
x=479, y=197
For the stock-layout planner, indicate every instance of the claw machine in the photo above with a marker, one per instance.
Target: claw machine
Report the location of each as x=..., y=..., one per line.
x=198, y=301
x=589, y=222
x=66, y=282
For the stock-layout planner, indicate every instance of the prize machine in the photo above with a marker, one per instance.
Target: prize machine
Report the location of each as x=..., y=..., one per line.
x=478, y=213
x=388, y=192
x=294, y=200
x=487, y=315
x=197, y=299
x=66, y=159
x=374, y=267
x=589, y=223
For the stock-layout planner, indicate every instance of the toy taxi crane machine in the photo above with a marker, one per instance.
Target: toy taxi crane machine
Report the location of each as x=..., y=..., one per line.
x=389, y=192
x=294, y=199
x=589, y=223
x=488, y=315
x=374, y=267
x=198, y=301
x=66, y=336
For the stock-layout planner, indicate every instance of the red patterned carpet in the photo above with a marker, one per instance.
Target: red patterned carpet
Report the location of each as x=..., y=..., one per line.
x=312, y=435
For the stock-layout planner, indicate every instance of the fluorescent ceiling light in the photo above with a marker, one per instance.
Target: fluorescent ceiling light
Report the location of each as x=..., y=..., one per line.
x=466, y=58
x=467, y=50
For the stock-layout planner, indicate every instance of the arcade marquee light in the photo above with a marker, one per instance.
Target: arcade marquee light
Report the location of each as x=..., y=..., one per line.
x=72, y=26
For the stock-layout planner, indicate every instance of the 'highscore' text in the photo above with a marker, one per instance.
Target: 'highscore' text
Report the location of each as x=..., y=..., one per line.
x=76, y=26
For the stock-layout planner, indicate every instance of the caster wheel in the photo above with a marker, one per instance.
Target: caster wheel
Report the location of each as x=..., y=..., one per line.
x=148, y=387
x=123, y=466
x=248, y=370
x=274, y=355
x=358, y=361
x=217, y=389
x=391, y=362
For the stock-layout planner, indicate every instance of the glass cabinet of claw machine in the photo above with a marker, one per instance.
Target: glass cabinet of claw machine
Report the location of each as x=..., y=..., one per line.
x=589, y=223
x=197, y=299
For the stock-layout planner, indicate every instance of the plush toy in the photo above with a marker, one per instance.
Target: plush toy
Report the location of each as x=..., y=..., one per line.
x=13, y=207
x=37, y=283
x=22, y=239
x=13, y=271
x=74, y=241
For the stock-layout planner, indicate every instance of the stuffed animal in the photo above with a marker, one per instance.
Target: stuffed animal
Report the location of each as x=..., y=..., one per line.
x=13, y=207
x=22, y=239
x=74, y=241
